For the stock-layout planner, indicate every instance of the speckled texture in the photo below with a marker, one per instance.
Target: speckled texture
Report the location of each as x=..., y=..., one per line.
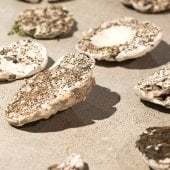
x=156, y=88
x=22, y=59
x=146, y=37
x=65, y=84
x=152, y=6
x=154, y=145
x=44, y=23
x=105, y=127
x=73, y=162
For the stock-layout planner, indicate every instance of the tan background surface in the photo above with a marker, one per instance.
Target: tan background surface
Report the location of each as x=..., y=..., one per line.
x=105, y=127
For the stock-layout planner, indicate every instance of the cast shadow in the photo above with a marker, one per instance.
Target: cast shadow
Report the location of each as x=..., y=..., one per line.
x=50, y=62
x=86, y=166
x=24, y=1
x=60, y=1
x=6, y=82
x=156, y=107
x=63, y=36
x=158, y=57
x=99, y=105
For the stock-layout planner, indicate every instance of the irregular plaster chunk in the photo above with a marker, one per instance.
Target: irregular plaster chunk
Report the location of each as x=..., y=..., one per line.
x=156, y=88
x=154, y=146
x=44, y=23
x=121, y=39
x=32, y=1
x=73, y=162
x=65, y=84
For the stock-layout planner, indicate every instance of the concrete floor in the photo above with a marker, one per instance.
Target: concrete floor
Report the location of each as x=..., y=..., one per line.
x=104, y=128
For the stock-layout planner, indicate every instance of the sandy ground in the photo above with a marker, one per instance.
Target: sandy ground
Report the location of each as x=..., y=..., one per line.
x=104, y=128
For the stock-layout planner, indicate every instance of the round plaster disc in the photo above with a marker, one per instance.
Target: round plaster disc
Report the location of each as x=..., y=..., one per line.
x=121, y=39
x=44, y=23
x=154, y=146
x=22, y=59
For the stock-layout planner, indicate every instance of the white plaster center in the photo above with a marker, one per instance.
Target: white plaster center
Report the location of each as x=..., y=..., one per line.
x=114, y=35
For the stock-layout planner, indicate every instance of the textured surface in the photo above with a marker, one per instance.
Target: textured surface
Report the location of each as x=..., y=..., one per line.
x=154, y=145
x=67, y=83
x=22, y=59
x=43, y=23
x=105, y=127
x=31, y=1
x=156, y=88
x=148, y=5
x=73, y=162
x=144, y=38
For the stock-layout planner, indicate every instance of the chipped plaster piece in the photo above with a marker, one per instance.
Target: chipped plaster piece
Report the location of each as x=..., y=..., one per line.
x=154, y=146
x=156, y=88
x=66, y=83
x=73, y=162
x=121, y=39
x=22, y=59
x=148, y=6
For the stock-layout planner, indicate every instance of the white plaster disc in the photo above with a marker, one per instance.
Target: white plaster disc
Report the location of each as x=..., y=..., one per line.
x=119, y=40
x=21, y=59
